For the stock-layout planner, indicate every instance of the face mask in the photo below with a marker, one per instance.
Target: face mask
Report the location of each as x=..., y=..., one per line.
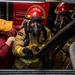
x=61, y=22
x=35, y=29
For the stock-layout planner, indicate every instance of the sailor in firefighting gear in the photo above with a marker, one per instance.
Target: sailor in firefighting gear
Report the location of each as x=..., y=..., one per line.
x=63, y=16
x=63, y=12
x=6, y=41
x=31, y=39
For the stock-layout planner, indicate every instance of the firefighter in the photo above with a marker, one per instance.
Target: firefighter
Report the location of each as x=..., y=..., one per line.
x=31, y=39
x=63, y=16
x=6, y=41
x=63, y=12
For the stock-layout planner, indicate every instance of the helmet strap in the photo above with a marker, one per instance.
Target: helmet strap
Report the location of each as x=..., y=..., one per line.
x=44, y=35
x=26, y=40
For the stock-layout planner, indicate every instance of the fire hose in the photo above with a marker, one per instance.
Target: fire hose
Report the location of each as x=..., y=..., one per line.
x=62, y=36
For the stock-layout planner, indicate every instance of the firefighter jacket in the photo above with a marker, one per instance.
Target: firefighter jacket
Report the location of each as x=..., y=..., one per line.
x=18, y=47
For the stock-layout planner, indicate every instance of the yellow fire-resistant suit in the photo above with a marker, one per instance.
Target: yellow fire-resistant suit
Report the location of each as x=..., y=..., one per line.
x=22, y=63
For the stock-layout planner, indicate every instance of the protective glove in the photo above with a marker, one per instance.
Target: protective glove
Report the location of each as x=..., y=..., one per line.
x=27, y=51
x=41, y=47
x=36, y=49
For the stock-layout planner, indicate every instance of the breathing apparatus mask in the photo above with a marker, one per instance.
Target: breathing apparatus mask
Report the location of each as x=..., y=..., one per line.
x=35, y=27
x=62, y=19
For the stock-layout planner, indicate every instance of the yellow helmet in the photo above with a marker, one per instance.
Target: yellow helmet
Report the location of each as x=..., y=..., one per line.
x=5, y=25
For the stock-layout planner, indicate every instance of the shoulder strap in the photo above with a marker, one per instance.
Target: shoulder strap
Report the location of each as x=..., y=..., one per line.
x=44, y=35
x=26, y=40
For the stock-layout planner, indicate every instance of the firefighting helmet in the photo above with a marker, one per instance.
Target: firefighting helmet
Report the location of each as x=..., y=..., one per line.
x=63, y=7
x=5, y=25
x=35, y=11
